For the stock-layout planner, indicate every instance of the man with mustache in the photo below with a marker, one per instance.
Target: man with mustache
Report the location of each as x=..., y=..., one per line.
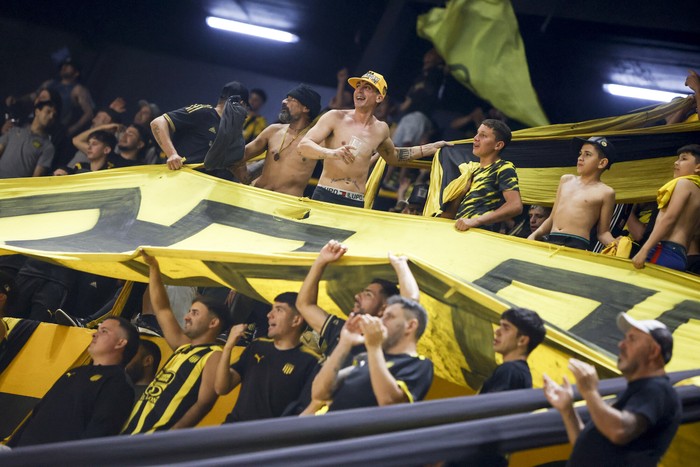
x=638, y=427
x=285, y=171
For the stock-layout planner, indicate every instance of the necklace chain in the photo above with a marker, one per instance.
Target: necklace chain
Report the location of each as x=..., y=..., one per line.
x=284, y=138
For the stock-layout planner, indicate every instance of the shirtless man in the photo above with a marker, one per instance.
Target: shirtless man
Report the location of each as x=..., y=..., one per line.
x=679, y=214
x=285, y=171
x=346, y=167
x=582, y=200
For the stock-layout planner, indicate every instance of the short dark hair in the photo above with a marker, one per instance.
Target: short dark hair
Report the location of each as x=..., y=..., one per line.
x=500, y=130
x=389, y=288
x=55, y=98
x=693, y=149
x=152, y=349
x=528, y=323
x=259, y=92
x=143, y=132
x=215, y=307
x=414, y=309
x=132, y=338
x=290, y=298
x=104, y=137
x=234, y=88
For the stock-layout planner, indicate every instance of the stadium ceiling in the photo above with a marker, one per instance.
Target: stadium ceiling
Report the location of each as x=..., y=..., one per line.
x=584, y=43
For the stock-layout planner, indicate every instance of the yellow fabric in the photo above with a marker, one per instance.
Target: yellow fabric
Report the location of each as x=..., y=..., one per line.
x=205, y=231
x=622, y=249
x=633, y=181
x=665, y=192
x=452, y=191
x=480, y=41
x=374, y=182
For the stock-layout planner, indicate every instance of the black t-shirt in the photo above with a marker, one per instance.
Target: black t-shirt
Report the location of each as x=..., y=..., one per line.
x=508, y=376
x=654, y=399
x=86, y=402
x=193, y=130
x=271, y=379
x=330, y=335
x=413, y=373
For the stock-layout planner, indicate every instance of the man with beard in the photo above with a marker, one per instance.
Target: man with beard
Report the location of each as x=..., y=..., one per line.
x=639, y=426
x=182, y=392
x=372, y=301
x=285, y=171
x=390, y=372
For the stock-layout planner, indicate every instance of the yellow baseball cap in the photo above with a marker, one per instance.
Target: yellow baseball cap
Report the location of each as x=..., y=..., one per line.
x=373, y=78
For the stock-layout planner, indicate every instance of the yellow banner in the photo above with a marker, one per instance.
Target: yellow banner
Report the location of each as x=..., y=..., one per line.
x=206, y=231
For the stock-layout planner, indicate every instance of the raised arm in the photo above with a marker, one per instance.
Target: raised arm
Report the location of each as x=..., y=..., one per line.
x=173, y=333
x=407, y=283
x=226, y=377
x=307, y=299
x=161, y=133
x=395, y=155
x=206, y=397
x=562, y=399
x=620, y=427
x=385, y=387
x=80, y=141
x=329, y=377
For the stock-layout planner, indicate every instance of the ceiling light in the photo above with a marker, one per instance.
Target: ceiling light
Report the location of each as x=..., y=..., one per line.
x=251, y=30
x=641, y=93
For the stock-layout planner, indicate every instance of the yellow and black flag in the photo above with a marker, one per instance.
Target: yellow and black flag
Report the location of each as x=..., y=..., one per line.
x=480, y=41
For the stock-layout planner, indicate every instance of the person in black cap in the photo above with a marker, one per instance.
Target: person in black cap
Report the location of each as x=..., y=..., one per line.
x=285, y=171
x=189, y=132
x=639, y=427
x=582, y=201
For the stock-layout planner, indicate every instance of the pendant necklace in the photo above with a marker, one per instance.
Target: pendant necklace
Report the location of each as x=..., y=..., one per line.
x=283, y=147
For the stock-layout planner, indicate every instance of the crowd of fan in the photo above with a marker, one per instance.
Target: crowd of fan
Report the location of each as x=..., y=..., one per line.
x=45, y=134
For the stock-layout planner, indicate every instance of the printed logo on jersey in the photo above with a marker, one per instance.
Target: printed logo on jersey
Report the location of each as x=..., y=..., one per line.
x=288, y=368
x=94, y=378
x=258, y=357
x=194, y=359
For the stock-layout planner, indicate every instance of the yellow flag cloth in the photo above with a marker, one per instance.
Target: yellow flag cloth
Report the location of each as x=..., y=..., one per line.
x=666, y=191
x=621, y=249
x=481, y=43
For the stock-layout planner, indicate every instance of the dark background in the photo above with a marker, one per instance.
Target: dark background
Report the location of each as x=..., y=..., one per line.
x=164, y=51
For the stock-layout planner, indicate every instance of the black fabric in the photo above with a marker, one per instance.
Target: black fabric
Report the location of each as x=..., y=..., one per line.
x=321, y=194
x=193, y=130
x=572, y=241
x=271, y=379
x=652, y=398
x=396, y=435
x=229, y=145
x=507, y=377
x=414, y=373
x=15, y=340
x=86, y=402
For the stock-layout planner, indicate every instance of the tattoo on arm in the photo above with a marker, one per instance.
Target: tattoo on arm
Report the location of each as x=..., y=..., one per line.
x=403, y=154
